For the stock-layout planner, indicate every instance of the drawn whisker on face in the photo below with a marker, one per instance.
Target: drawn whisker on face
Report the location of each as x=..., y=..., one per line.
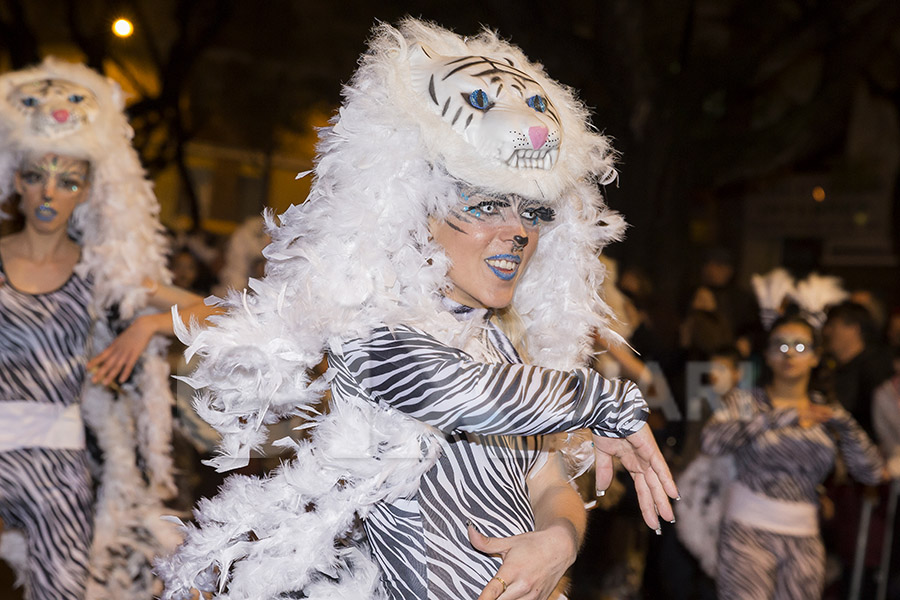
x=460, y=216
x=454, y=227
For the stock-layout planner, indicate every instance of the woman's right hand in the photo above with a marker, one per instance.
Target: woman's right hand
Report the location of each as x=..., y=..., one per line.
x=533, y=562
x=115, y=363
x=812, y=415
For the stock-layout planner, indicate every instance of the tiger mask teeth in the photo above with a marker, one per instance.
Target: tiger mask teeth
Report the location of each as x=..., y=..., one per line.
x=533, y=159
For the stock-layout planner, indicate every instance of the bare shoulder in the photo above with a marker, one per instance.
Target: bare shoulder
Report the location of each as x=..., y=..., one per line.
x=10, y=245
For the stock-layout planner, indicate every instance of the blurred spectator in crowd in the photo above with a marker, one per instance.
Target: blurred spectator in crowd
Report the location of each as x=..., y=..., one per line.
x=892, y=329
x=886, y=416
x=857, y=364
x=721, y=374
x=705, y=327
x=719, y=313
x=189, y=272
x=873, y=304
x=243, y=256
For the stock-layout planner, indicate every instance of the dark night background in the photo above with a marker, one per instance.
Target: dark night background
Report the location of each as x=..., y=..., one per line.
x=708, y=101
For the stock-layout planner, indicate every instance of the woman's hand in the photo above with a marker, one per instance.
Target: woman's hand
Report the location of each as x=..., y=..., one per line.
x=117, y=361
x=814, y=414
x=653, y=481
x=533, y=563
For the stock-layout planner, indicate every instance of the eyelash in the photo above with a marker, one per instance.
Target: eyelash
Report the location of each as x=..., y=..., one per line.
x=541, y=213
x=481, y=207
x=532, y=215
x=32, y=178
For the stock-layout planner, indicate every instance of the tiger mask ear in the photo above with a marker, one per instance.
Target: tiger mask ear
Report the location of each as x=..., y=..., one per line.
x=421, y=66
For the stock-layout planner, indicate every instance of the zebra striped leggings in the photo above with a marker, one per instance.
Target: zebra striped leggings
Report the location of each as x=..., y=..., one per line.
x=46, y=493
x=760, y=565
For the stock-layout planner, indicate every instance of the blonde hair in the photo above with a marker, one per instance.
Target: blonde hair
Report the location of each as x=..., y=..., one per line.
x=511, y=324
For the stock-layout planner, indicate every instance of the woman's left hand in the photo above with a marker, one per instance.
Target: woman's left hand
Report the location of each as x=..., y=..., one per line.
x=117, y=361
x=653, y=481
x=533, y=562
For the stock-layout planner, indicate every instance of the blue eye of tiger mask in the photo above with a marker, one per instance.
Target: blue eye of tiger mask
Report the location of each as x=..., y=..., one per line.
x=499, y=109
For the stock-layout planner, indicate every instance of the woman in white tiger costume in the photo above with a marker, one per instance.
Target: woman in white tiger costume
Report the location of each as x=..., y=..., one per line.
x=784, y=440
x=446, y=261
x=87, y=265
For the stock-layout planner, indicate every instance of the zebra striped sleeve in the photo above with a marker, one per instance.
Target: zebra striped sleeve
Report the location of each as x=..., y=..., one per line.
x=442, y=386
x=862, y=458
x=738, y=422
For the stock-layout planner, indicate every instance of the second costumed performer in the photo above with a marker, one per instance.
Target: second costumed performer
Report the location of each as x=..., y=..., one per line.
x=445, y=261
x=82, y=284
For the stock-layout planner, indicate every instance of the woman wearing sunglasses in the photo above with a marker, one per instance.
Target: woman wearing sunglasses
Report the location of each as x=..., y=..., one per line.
x=785, y=439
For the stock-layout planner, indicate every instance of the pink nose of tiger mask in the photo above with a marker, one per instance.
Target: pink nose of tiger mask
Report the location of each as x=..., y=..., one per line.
x=538, y=136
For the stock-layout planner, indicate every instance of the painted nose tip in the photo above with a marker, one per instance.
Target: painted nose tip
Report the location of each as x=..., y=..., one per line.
x=61, y=115
x=538, y=136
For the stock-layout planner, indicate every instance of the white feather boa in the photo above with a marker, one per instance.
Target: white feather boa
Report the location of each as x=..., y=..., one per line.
x=122, y=244
x=704, y=486
x=354, y=256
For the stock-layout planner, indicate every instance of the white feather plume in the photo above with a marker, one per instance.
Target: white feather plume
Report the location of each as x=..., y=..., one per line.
x=704, y=487
x=771, y=290
x=816, y=294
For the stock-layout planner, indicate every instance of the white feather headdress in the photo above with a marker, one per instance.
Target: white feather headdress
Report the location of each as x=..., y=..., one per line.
x=122, y=243
x=771, y=291
x=816, y=294
x=357, y=255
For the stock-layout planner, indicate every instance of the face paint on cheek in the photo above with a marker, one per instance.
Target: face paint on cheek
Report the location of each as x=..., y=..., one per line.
x=460, y=219
x=455, y=228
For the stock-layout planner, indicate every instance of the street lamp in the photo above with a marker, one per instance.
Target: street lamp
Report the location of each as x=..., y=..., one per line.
x=122, y=27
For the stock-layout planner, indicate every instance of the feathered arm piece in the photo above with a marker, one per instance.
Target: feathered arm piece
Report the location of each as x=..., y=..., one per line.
x=771, y=289
x=815, y=294
x=264, y=538
x=252, y=374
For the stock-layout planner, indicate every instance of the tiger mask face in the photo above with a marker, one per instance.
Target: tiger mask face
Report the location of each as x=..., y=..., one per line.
x=498, y=109
x=54, y=107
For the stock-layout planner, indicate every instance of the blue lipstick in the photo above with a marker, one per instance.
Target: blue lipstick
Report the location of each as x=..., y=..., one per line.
x=45, y=212
x=504, y=274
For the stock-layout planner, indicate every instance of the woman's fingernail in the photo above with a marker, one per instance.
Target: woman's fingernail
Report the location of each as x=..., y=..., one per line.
x=678, y=498
x=601, y=493
x=658, y=530
x=672, y=521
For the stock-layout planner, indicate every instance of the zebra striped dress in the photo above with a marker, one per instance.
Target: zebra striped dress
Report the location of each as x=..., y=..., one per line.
x=492, y=415
x=777, y=458
x=45, y=491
